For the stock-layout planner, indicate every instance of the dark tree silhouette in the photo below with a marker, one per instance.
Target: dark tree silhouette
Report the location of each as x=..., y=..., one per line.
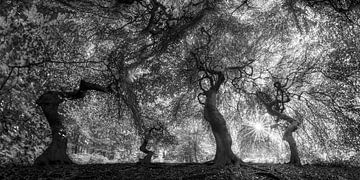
x=149, y=154
x=49, y=103
x=212, y=77
x=224, y=154
x=275, y=108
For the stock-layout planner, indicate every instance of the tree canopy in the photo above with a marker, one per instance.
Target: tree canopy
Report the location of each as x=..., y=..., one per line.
x=284, y=71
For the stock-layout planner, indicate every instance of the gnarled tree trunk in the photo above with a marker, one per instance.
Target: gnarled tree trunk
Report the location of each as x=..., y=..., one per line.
x=288, y=137
x=49, y=103
x=56, y=152
x=149, y=154
x=288, y=134
x=224, y=154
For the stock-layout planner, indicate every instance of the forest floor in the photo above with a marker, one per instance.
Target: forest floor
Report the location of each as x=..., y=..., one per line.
x=181, y=172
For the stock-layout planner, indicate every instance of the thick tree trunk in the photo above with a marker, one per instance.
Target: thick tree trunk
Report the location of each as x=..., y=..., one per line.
x=56, y=152
x=224, y=154
x=131, y=101
x=49, y=103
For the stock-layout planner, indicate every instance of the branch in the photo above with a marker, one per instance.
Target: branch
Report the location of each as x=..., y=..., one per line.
x=84, y=87
x=245, y=2
x=7, y=78
x=220, y=80
x=242, y=72
x=204, y=78
x=198, y=97
x=130, y=99
x=266, y=100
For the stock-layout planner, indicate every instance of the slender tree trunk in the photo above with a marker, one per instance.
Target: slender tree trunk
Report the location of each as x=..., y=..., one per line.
x=288, y=137
x=294, y=124
x=56, y=152
x=76, y=142
x=224, y=154
x=149, y=154
x=195, y=151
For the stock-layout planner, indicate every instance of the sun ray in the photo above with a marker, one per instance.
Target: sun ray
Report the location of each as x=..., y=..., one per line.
x=259, y=129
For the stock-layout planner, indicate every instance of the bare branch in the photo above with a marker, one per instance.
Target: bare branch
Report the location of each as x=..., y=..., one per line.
x=7, y=78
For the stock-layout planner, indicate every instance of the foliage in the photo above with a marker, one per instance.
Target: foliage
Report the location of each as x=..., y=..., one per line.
x=141, y=50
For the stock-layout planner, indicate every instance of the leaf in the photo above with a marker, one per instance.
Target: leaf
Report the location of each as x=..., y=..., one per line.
x=34, y=16
x=4, y=69
x=6, y=138
x=3, y=22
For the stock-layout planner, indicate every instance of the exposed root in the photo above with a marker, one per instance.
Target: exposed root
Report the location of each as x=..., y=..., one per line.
x=263, y=172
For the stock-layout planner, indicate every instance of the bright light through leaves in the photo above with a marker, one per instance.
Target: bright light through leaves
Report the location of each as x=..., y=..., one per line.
x=263, y=142
x=259, y=129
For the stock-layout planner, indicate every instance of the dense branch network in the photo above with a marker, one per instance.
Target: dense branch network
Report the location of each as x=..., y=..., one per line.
x=341, y=6
x=212, y=75
x=347, y=8
x=275, y=107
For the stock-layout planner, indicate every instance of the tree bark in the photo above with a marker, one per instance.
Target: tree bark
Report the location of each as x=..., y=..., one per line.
x=288, y=134
x=195, y=151
x=149, y=154
x=130, y=99
x=49, y=103
x=56, y=152
x=224, y=154
x=288, y=137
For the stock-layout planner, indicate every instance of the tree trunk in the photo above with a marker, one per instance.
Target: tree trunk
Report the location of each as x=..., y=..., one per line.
x=224, y=154
x=195, y=150
x=149, y=154
x=56, y=152
x=294, y=124
x=49, y=103
x=288, y=137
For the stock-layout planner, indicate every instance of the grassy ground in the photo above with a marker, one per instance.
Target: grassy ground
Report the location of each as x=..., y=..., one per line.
x=181, y=171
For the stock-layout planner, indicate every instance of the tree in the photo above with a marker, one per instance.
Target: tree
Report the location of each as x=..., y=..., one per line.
x=273, y=107
x=49, y=102
x=157, y=133
x=141, y=49
x=126, y=93
x=224, y=154
x=212, y=76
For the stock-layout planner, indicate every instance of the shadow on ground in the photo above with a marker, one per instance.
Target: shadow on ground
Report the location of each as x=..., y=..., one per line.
x=180, y=171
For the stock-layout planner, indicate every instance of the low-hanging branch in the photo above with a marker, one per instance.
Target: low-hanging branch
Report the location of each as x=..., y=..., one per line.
x=84, y=87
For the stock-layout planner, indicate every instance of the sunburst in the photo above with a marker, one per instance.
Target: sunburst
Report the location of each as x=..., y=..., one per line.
x=258, y=128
